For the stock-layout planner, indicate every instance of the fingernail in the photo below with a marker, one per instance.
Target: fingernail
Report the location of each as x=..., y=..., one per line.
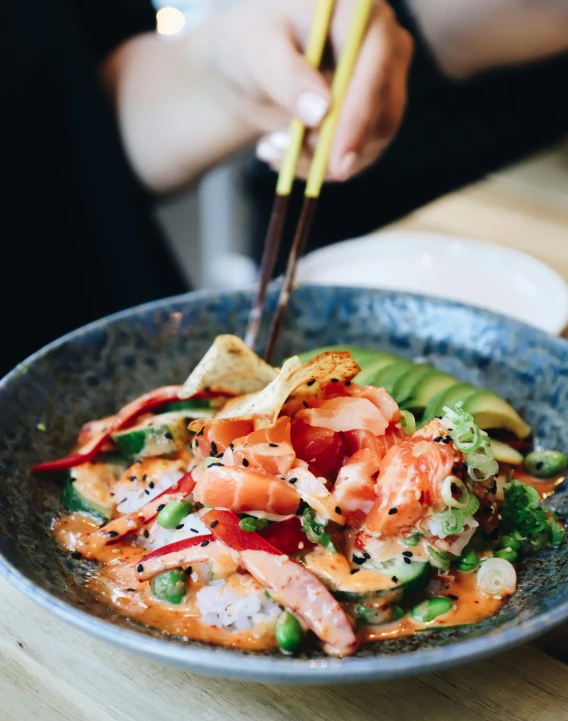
x=268, y=152
x=347, y=165
x=311, y=108
x=280, y=139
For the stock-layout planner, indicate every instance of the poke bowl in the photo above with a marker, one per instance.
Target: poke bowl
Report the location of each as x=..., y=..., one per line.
x=450, y=371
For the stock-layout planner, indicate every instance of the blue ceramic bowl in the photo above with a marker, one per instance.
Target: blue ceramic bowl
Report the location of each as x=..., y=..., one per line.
x=93, y=371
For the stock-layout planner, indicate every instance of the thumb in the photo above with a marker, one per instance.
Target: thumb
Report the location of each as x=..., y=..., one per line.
x=286, y=77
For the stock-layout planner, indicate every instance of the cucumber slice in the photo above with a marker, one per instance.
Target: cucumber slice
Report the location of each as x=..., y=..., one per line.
x=491, y=411
x=448, y=397
x=86, y=489
x=409, y=577
x=156, y=436
x=197, y=404
x=389, y=375
x=408, y=380
x=426, y=388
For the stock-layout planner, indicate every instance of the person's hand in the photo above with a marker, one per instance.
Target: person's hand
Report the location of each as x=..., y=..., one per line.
x=257, y=48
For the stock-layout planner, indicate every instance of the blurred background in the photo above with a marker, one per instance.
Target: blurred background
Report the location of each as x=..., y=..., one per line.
x=209, y=227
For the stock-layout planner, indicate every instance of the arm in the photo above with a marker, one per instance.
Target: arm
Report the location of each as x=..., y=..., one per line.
x=470, y=36
x=186, y=103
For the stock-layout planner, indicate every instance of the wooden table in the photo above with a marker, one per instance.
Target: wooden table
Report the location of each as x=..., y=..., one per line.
x=51, y=672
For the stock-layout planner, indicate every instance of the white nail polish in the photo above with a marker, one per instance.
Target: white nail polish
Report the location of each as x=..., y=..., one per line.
x=268, y=152
x=311, y=108
x=280, y=140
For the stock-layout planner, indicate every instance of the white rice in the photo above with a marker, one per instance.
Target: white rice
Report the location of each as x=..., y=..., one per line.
x=235, y=611
x=133, y=494
x=192, y=527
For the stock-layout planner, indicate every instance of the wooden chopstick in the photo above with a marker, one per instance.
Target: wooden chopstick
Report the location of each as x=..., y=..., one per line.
x=319, y=164
x=314, y=52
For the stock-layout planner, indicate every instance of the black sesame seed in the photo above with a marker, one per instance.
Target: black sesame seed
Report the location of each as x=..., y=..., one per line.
x=292, y=480
x=232, y=446
x=146, y=491
x=112, y=534
x=310, y=383
x=131, y=590
x=354, y=571
x=139, y=568
x=245, y=462
x=76, y=554
x=133, y=478
x=219, y=455
x=179, y=526
x=212, y=465
x=160, y=507
x=124, y=499
x=338, y=510
x=392, y=511
x=214, y=450
x=151, y=484
x=358, y=559
x=111, y=494
x=194, y=530
x=144, y=476
x=305, y=404
x=201, y=432
x=273, y=445
x=146, y=533
x=168, y=435
x=407, y=553
x=366, y=555
x=439, y=418
x=347, y=383
x=205, y=543
x=447, y=439
x=188, y=571
x=394, y=579
x=452, y=597
x=407, y=560
x=539, y=465
x=214, y=524
x=438, y=439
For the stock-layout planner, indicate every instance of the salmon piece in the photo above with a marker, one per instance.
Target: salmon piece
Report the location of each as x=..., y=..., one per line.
x=379, y=445
x=410, y=481
x=215, y=438
x=268, y=449
x=378, y=396
x=346, y=414
x=355, y=487
x=298, y=590
x=241, y=490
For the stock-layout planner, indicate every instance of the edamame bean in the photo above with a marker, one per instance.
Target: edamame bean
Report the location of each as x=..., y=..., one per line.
x=546, y=464
x=173, y=513
x=289, y=633
x=431, y=609
x=510, y=542
x=170, y=586
x=468, y=561
x=509, y=554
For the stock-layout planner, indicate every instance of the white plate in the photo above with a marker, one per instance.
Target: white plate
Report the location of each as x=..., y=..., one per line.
x=482, y=274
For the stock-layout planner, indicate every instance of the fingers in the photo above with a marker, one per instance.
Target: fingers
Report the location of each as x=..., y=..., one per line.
x=376, y=98
x=286, y=78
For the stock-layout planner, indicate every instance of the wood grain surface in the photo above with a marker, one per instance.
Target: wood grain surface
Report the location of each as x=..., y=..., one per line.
x=51, y=672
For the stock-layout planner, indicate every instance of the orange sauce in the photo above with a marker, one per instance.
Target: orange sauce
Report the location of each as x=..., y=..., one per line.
x=545, y=486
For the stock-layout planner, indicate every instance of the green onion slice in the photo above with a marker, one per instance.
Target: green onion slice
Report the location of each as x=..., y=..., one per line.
x=455, y=493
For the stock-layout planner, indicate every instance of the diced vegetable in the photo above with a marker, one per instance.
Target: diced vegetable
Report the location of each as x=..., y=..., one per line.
x=81, y=494
x=432, y=608
x=546, y=464
x=289, y=633
x=523, y=515
x=170, y=586
x=468, y=561
x=173, y=514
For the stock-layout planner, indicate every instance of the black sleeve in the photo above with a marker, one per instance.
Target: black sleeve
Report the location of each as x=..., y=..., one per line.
x=105, y=24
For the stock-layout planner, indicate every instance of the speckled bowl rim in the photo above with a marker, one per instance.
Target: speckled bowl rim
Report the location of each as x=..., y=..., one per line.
x=216, y=661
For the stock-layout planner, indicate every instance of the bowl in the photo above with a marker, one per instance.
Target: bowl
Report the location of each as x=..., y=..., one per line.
x=482, y=274
x=93, y=371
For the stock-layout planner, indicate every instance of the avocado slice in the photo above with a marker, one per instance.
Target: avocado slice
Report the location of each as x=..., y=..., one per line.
x=369, y=371
x=389, y=375
x=425, y=388
x=447, y=397
x=404, y=385
x=505, y=454
x=491, y=411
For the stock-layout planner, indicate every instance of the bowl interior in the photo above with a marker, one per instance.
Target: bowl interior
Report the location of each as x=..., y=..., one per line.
x=95, y=370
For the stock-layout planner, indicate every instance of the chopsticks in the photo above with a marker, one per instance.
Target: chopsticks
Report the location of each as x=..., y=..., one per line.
x=318, y=168
x=314, y=53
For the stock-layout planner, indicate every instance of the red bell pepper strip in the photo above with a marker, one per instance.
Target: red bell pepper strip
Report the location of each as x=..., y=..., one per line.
x=126, y=415
x=131, y=522
x=287, y=536
x=198, y=549
x=289, y=582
